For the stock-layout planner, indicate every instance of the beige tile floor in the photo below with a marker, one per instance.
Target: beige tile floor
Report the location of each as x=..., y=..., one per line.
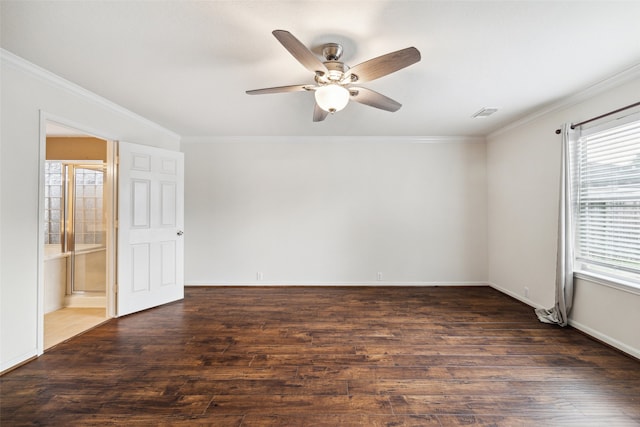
x=63, y=324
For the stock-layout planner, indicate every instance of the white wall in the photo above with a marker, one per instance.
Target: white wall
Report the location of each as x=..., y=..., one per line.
x=25, y=90
x=523, y=166
x=334, y=211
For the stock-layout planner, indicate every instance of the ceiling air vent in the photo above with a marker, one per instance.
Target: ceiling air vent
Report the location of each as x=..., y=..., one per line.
x=484, y=112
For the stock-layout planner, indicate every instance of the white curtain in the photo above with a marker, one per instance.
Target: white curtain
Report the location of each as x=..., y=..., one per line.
x=559, y=313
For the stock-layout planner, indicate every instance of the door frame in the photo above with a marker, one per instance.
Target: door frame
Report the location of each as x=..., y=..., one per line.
x=111, y=222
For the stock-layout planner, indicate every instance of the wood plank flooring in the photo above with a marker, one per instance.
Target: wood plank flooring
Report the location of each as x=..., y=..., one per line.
x=328, y=356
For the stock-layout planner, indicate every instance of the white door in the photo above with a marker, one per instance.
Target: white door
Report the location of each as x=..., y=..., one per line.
x=150, y=258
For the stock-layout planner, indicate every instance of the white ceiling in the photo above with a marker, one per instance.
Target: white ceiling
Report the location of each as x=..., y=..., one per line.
x=186, y=64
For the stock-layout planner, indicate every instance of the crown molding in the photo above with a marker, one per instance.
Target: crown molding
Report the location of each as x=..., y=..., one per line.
x=332, y=138
x=597, y=88
x=22, y=64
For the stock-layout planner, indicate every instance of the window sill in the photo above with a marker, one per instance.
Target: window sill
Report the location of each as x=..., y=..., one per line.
x=608, y=281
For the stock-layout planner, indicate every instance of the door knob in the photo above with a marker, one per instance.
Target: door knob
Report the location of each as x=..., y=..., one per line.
x=180, y=232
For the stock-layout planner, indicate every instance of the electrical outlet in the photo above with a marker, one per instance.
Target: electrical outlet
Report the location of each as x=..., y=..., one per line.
x=259, y=275
x=526, y=292
x=379, y=276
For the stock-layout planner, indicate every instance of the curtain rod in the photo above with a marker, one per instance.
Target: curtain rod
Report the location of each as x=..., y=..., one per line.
x=575, y=125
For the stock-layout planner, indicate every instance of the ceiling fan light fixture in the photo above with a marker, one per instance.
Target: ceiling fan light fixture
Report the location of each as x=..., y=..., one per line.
x=332, y=97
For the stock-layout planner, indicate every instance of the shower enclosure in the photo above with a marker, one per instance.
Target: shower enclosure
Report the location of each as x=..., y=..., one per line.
x=75, y=227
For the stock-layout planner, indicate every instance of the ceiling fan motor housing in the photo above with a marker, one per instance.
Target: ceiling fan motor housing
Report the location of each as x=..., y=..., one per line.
x=332, y=51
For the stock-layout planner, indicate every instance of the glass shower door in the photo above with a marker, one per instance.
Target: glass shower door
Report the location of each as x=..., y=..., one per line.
x=87, y=234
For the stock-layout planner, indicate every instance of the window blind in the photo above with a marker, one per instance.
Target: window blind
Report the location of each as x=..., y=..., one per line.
x=607, y=197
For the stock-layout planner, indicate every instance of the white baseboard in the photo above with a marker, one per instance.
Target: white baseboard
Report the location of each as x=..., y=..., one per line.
x=514, y=295
x=606, y=339
x=17, y=361
x=376, y=283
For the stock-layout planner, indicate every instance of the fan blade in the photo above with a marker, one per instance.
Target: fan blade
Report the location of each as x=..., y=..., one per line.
x=279, y=89
x=373, y=99
x=300, y=52
x=385, y=64
x=319, y=114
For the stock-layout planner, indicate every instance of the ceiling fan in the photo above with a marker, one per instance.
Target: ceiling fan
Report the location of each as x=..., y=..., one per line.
x=335, y=81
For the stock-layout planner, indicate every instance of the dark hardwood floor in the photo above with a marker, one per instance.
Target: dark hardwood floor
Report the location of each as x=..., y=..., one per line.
x=328, y=356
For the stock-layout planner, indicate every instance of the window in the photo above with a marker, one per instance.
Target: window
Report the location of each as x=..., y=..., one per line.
x=53, y=202
x=607, y=201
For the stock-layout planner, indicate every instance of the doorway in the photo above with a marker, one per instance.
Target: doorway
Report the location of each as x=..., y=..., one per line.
x=77, y=244
x=143, y=215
